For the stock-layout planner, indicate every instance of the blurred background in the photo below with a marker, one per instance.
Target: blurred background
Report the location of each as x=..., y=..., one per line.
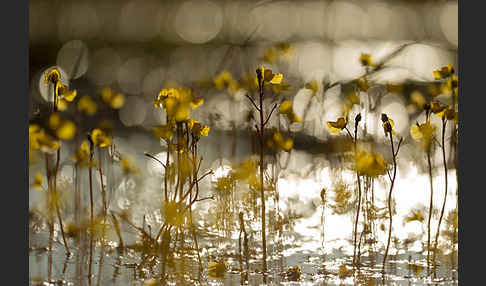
x=138, y=47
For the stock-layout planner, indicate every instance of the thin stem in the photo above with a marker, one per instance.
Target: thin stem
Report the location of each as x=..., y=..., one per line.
x=444, y=122
x=269, y=115
x=103, y=193
x=51, y=219
x=430, y=210
x=91, y=207
x=262, y=189
x=390, y=203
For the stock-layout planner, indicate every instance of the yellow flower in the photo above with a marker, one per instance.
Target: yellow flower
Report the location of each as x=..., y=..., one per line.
x=100, y=138
x=38, y=180
x=87, y=105
x=287, y=110
x=197, y=129
x=336, y=126
x=177, y=102
x=388, y=124
x=52, y=76
x=365, y=60
x=444, y=72
x=64, y=92
x=269, y=76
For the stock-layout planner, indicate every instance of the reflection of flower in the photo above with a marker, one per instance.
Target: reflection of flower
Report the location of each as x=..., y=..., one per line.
x=370, y=163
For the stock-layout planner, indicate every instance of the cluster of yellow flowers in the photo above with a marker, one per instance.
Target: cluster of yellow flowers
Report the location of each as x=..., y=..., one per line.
x=177, y=102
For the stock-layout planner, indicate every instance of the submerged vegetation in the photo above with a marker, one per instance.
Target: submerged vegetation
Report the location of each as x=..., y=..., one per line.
x=229, y=217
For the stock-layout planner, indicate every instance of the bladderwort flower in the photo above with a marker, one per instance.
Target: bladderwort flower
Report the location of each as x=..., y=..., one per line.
x=52, y=76
x=268, y=76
